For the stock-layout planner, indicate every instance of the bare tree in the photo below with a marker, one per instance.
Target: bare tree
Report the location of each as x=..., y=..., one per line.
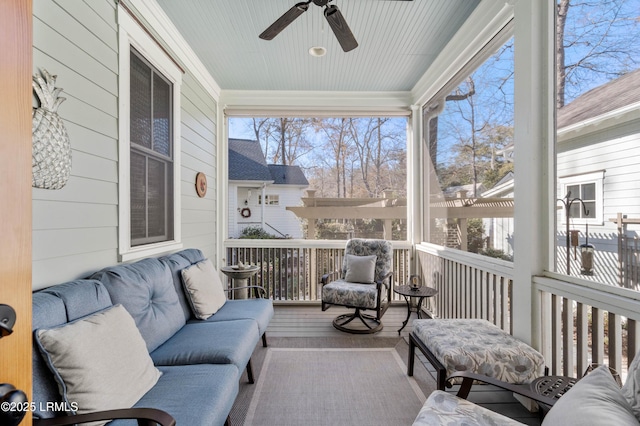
x=596, y=42
x=284, y=139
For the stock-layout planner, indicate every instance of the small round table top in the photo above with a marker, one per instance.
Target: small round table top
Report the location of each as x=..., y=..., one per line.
x=553, y=386
x=406, y=290
x=235, y=272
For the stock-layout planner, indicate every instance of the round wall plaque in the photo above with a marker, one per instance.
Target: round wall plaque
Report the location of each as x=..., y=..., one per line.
x=201, y=184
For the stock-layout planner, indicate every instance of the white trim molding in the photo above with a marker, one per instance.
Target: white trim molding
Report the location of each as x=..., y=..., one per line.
x=132, y=35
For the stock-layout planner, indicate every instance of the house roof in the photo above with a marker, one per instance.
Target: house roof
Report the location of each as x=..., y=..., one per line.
x=287, y=175
x=608, y=97
x=246, y=161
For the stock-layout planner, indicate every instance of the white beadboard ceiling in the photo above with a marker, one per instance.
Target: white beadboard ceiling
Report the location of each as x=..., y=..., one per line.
x=398, y=41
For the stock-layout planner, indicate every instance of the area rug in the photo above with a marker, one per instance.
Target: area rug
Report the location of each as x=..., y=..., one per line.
x=334, y=386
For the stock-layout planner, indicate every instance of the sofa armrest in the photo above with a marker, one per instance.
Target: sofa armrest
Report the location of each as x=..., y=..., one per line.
x=145, y=417
x=258, y=291
x=468, y=378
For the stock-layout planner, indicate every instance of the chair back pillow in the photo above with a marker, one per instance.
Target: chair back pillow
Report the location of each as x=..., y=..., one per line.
x=203, y=289
x=595, y=399
x=360, y=269
x=100, y=362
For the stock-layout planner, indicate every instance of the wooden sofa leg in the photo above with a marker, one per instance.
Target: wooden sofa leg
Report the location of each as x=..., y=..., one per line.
x=264, y=339
x=250, y=372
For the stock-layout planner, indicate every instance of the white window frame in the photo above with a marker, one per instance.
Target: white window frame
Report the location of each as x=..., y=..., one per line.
x=595, y=177
x=132, y=35
x=268, y=198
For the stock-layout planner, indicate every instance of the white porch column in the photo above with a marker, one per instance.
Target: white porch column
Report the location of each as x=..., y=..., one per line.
x=264, y=193
x=534, y=158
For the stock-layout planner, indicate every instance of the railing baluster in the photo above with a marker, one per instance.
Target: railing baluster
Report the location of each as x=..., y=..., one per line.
x=582, y=331
x=597, y=336
x=615, y=342
x=556, y=333
x=567, y=334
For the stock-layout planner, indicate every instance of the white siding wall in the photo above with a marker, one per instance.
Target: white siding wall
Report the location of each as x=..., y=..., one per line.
x=75, y=229
x=278, y=217
x=617, y=152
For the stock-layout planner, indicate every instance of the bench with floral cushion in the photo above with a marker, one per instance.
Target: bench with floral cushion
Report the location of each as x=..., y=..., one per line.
x=596, y=399
x=474, y=345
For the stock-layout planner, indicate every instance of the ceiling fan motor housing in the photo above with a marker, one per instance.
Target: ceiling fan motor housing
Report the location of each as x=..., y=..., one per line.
x=321, y=2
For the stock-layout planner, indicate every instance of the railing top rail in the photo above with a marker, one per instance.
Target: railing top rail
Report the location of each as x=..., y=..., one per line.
x=490, y=264
x=299, y=243
x=621, y=301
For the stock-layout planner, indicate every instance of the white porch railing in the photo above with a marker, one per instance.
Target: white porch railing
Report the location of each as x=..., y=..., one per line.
x=290, y=270
x=469, y=285
x=583, y=322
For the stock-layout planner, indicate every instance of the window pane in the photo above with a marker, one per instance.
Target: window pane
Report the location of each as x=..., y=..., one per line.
x=598, y=79
x=325, y=178
x=161, y=116
x=138, y=197
x=591, y=209
x=157, y=198
x=589, y=191
x=469, y=161
x=140, y=127
x=573, y=190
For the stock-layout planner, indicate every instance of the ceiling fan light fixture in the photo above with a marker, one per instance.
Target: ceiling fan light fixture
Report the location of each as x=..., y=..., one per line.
x=317, y=51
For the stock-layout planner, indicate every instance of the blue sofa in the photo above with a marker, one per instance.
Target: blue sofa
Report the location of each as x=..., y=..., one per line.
x=201, y=360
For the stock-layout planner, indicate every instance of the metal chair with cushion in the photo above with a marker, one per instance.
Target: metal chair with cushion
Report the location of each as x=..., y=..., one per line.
x=364, y=284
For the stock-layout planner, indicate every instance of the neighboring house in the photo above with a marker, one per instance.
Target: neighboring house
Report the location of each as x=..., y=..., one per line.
x=259, y=193
x=598, y=160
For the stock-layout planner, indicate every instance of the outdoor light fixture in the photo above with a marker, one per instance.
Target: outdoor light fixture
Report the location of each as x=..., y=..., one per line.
x=317, y=51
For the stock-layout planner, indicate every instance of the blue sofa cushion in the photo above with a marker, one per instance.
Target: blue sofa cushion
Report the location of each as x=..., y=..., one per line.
x=145, y=289
x=228, y=342
x=52, y=307
x=195, y=395
x=81, y=297
x=48, y=311
x=176, y=263
x=259, y=310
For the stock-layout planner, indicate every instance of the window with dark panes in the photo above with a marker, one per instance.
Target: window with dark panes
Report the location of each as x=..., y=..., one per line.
x=151, y=158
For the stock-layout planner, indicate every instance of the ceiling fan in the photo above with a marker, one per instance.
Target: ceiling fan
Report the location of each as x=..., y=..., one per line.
x=331, y=13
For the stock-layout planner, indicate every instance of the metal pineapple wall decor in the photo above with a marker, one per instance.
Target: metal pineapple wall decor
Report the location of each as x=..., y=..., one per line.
x=51, y=161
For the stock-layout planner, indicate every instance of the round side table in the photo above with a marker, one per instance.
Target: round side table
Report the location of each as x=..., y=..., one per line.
x=407, y=292
x=240, y=278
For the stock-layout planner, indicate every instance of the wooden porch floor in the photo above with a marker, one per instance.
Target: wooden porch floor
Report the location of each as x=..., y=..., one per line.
x=309, y=321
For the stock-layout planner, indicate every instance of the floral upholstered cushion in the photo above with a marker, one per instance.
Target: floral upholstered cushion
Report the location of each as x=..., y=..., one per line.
x=350, y=294
x=442, y=408
x=479, y=346
x=382, y=249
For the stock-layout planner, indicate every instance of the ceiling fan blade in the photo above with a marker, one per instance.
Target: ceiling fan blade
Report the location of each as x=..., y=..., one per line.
x=340, y=28
x=282, y=22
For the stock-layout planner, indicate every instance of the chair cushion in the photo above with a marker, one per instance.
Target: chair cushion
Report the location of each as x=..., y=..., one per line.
x=259, y=310
x=179, y=392
x=360, y=269
x=203, y=289
x=442, y=408
x=100, y=362
x=595, y=399
x=145, y=288
x=383, y=250
x=228, y=342
x=345, y=293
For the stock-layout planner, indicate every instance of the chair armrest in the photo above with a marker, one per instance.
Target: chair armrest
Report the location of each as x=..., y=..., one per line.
x=468, y=378
x=258, y=290
x=382, y=281
x=327, y=278
x=145, y=417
